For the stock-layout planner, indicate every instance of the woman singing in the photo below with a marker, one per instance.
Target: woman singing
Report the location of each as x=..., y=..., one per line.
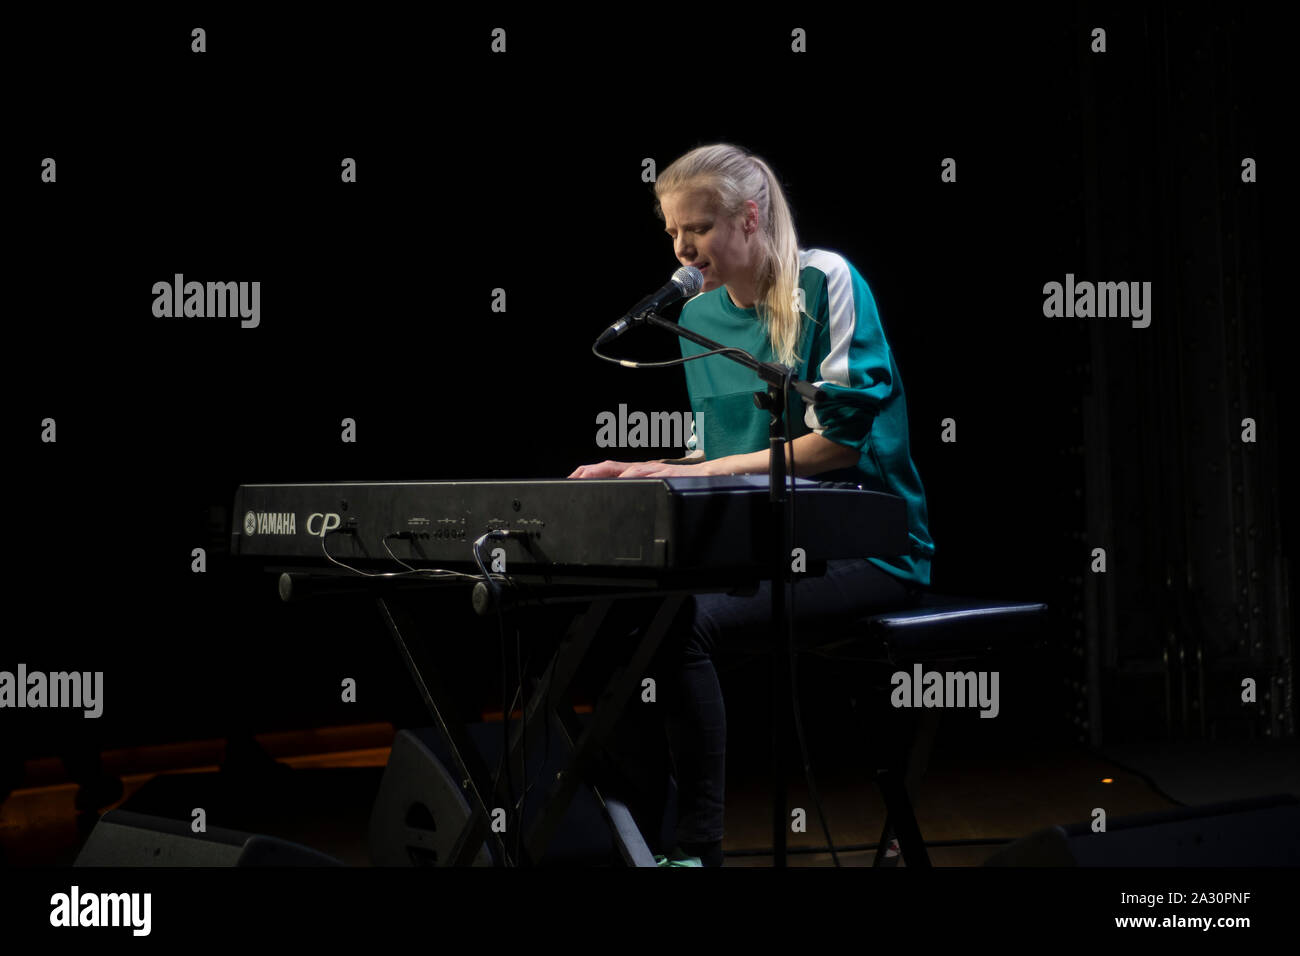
x=809, y=309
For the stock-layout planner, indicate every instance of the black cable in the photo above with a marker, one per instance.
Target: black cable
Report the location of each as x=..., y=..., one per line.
x=546, y=727
x=432, y=573
x=505, y=709
x=546, y=719
x=794, y=681
x=546, y=736
x=496, y=775
x=523, y=749
x=628, y=363
x=498, y=534
x=505, y=716
x=517, y=807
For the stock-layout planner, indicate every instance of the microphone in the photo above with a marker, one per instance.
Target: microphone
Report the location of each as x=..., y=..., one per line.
x=686, y=282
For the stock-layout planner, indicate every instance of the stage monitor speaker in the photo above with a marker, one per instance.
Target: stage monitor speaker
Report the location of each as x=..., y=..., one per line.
x=1264, y=831
x=420, y=808
x=123, y=838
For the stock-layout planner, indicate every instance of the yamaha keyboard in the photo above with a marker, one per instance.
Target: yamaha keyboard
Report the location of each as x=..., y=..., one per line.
x=595, y=541
x=621, y=526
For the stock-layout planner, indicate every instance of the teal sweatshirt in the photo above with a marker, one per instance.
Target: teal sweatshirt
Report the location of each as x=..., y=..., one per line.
x=842, y=349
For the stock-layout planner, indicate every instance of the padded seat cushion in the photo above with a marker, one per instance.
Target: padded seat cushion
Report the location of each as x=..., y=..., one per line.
x=936, y=628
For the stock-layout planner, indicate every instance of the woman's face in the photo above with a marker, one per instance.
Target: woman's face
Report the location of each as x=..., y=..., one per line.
x=706, y=239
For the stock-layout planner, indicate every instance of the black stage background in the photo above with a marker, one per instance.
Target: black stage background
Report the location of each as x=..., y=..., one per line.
x=478, y=171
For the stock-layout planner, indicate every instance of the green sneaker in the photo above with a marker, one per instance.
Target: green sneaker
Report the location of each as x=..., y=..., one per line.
x=685, y=861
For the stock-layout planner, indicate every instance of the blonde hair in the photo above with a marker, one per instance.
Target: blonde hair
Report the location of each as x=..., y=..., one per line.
x=734, y=176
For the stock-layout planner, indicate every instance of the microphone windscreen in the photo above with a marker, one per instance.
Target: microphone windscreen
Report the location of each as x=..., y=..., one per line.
x=690, y=279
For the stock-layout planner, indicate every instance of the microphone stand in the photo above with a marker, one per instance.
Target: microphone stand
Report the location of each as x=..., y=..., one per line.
x=772, y=401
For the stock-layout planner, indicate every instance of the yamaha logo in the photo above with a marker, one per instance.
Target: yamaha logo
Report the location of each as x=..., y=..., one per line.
x=270, y=522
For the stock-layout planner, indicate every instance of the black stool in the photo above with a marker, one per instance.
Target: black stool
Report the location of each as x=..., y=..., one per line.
x=934, y=629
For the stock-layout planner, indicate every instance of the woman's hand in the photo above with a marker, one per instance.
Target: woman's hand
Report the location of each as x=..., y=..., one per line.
x=661, y=470
x=604, y=469
x=638, y=469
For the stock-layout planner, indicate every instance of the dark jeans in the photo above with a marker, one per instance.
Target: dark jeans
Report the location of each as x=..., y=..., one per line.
x=696, y=715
